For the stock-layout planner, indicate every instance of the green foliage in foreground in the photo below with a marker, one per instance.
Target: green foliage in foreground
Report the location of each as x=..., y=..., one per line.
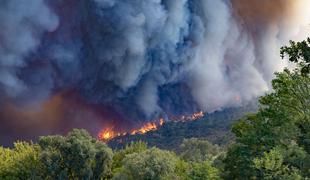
x=198, y=150
x=79, y=156
x=76, y=156
x=21, y=162
x=272, y=165
x=119, y=156
x=298, y=52
x=151, y=164
x=139, y=163
x=203, y=170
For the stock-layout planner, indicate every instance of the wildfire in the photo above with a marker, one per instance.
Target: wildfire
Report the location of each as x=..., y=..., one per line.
x=146, y=128
x=193, y=117
x=109, y=133
x=106, y=134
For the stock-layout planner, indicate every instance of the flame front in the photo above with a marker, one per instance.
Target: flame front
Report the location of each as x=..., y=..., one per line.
x=146, y=128
x=109, y=133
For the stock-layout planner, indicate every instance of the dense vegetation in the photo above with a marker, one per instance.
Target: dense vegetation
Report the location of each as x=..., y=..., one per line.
x=273, y=143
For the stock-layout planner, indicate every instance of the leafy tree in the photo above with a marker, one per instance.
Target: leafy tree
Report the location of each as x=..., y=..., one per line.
x=198, y=150
x=182, y=170
x=76, y=156
x=202, y=171
x=133, y=147
x=22, y=162
x=152, y=164
x=272, y=166
x=238, y=163
x=298, y=52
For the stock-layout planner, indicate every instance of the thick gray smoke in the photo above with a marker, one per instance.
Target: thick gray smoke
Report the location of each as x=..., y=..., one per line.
x=144, y=58
x=22, y=25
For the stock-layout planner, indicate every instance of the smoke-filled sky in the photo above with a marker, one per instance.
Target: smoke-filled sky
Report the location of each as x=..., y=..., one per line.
x=94, y=63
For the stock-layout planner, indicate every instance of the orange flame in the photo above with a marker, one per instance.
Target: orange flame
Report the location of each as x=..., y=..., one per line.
x=145, y=128
x=192, y=117
x=108, y=133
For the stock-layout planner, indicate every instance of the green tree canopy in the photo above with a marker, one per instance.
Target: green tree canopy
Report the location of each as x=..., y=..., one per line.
x=76, y=156
x=203, y=171
x=21, y=162
x=298, y=52
x=272, y=165
x=133, y=147
x=152, y=164
x=198, y=150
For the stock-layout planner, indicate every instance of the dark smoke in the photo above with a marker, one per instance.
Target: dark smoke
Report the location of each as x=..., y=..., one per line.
x=89, y=63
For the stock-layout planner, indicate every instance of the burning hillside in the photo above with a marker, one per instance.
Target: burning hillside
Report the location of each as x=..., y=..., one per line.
x=109, y=133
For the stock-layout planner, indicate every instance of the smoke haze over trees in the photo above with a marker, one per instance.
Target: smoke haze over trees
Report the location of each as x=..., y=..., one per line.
x=91, y=64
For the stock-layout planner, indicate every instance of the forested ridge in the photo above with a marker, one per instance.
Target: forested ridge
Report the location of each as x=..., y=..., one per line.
x=214, y=127
x=273, y=143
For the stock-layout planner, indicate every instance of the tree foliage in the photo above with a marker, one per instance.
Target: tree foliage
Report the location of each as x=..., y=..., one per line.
x=203, y=170
x=298, y=52
x=76, y=156
x=21, y=162
x=119, y=156
x=152, y=164
x=198, y=150
x=272, y=166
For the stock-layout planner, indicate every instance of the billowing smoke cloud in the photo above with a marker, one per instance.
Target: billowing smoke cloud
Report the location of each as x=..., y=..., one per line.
x=239, y=53
x=140, y=59
x=21, y=27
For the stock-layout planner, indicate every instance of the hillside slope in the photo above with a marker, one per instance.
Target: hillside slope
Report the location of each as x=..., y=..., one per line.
x=215, y=127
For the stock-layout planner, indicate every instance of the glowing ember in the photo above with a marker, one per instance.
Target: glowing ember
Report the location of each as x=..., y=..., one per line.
x=108, y=133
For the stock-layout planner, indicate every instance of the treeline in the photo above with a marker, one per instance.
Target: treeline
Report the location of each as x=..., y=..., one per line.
x=273, y=143
x=79, y=156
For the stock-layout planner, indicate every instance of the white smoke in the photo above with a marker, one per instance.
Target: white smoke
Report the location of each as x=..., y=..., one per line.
x=232, y=66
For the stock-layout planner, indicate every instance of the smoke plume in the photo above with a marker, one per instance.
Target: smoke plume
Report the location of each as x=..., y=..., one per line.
x=88, y=63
